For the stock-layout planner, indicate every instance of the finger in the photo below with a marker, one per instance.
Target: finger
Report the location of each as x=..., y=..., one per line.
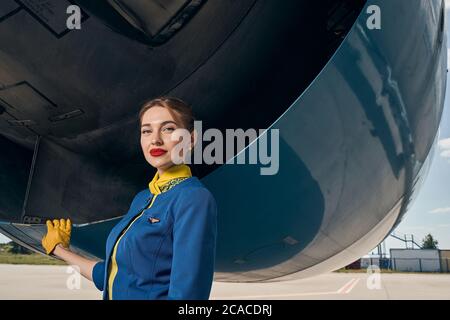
x=56, y=223
x=62, y=224
x=49, y=225
x=44, y=243
x=69, y=226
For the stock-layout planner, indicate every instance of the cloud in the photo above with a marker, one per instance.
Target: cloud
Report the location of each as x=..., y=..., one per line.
x=444, y=147
x=440, y=210
x=444, y=143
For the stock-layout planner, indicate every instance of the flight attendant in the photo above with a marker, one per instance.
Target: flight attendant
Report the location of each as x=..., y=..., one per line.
x=164, y=247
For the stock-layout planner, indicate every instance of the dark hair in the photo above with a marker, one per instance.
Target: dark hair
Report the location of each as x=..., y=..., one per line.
x=180, y=110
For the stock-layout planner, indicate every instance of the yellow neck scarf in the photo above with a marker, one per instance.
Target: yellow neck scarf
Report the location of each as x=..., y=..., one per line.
x=176, y=171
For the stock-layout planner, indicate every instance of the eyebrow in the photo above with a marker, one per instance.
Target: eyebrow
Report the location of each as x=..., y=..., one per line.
x=162, y=123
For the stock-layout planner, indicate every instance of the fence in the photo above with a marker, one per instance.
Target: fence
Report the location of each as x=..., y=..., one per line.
x=409, y=264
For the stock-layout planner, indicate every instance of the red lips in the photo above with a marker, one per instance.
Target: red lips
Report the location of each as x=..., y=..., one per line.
x=157, y=152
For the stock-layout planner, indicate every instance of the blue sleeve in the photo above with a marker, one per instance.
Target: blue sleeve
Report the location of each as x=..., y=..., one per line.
x=98, y=275
x=194, y=246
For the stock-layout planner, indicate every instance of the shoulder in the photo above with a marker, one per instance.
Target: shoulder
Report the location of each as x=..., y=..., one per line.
x=194, y=196
x=194, y=190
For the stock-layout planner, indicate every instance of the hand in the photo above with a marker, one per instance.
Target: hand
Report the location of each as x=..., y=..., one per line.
x=58, y=232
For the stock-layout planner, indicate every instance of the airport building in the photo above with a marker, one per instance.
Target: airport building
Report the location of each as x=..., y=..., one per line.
x=408, y=260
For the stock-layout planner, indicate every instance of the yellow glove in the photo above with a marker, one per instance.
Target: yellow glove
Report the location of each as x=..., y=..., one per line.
x=57, y=232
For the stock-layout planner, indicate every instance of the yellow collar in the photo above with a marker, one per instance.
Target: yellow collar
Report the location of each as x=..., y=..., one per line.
x=176, y=171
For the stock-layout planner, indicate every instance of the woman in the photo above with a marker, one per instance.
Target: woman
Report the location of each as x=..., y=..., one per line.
x=164, y=247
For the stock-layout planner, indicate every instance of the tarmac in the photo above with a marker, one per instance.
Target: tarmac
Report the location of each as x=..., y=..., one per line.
x=27, y=282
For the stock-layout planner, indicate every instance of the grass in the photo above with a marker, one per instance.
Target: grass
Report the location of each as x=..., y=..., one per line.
x=33, y=259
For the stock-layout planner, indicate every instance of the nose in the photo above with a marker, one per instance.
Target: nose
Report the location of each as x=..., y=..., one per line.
x=155, y=138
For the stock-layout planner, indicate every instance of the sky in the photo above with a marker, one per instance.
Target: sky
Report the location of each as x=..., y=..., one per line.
x=3, y=239
x=430, y=211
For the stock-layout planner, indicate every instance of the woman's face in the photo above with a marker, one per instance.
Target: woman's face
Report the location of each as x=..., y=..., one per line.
x=156, y=130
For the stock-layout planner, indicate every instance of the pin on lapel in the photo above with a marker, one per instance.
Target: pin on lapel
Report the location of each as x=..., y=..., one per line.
x=153, y=220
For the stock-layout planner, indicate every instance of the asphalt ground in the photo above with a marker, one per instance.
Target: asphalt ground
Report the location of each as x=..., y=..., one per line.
x=61, y=282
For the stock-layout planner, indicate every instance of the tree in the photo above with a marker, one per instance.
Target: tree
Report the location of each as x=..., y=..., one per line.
x=429, y=243
x=18, y=249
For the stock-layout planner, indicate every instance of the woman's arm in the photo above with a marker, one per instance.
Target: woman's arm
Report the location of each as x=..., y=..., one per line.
x=57, y=241
x=86, y=265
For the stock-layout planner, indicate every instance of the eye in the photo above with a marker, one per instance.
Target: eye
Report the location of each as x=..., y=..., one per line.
x=169, y=129
x=146, y=131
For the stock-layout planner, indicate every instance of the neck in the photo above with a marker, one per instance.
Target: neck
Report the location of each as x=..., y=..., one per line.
x=162, y=170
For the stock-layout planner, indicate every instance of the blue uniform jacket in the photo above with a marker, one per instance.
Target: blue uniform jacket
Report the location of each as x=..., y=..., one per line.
x=170, y=259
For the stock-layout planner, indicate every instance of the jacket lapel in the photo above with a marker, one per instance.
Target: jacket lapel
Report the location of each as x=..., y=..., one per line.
x=141, y=204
